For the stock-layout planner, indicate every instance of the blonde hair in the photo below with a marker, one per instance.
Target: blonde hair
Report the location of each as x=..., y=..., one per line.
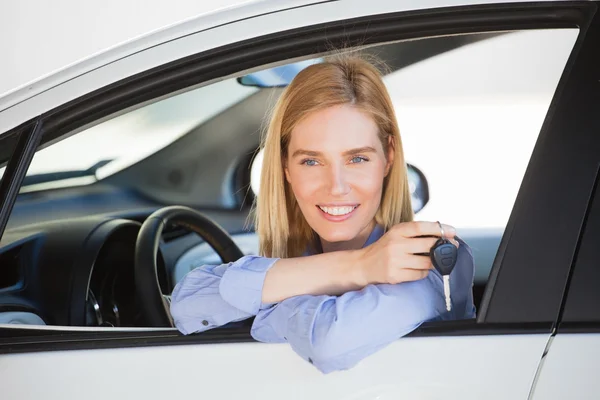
x=282, y=229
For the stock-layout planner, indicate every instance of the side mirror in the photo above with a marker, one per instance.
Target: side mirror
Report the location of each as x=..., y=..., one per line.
x=418, y=187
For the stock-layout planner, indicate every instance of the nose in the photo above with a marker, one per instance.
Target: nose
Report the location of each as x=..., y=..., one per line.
x=338, y=181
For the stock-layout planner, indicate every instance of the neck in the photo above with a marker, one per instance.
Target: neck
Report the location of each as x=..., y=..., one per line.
x=352, y=244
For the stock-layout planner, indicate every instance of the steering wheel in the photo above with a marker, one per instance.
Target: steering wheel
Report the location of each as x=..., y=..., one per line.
x=155, y=306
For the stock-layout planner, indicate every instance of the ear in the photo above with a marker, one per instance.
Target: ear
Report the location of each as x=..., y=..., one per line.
x=390, y=154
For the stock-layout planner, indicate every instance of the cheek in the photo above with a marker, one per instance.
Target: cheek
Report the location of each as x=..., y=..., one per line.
x=305, y=182
x=368, y=178
x=369, y=185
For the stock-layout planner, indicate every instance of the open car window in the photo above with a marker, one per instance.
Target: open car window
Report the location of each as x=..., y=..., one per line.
x=469, y=112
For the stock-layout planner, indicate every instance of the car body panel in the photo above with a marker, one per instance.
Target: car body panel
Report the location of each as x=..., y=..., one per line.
x=573, y=362
x=478, y=367
x=124, y=39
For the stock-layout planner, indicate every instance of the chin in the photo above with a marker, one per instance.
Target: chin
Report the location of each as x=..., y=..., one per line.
x=337, y=234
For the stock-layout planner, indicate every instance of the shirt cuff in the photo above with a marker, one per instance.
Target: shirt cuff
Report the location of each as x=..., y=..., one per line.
x=242, y=283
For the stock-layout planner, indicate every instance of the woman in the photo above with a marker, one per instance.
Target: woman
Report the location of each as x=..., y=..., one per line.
x=341, y=272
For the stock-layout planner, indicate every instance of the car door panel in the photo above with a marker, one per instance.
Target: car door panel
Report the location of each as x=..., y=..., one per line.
x=462, y=368
x=570, y=369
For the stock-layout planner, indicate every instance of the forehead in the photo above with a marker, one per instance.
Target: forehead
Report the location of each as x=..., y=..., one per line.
x=334, y=127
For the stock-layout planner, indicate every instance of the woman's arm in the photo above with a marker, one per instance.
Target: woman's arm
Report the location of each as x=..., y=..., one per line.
x=391, y=259
x=330, y=273
x=213, y=295
x=196, y=301
x=335, y=333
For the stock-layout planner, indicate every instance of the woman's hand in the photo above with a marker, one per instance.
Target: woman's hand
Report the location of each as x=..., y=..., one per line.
x=391, y=259
x=394, y=258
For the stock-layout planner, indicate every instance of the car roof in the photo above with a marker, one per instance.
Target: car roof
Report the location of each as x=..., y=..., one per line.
x=43, y=61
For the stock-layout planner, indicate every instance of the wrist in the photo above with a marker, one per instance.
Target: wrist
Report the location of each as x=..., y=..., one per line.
x=355, y=268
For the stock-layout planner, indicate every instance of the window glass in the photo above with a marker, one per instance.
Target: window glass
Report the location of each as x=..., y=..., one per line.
x=113, y=145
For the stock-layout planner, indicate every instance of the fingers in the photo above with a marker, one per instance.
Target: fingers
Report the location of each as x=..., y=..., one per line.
x=416, y=262
x=406, y=249
x=422, y=246
x=425, y=228
x=419, y=245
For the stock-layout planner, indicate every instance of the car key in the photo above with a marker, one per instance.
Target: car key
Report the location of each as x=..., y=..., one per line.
x=443, y=257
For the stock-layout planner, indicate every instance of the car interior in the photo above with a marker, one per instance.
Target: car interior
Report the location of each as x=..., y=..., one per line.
x=67, y=257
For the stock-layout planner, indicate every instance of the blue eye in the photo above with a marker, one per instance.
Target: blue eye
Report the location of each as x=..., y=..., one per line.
x=358, y=159
x=309, y=162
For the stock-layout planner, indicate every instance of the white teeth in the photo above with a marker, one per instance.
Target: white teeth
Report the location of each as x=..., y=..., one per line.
x=338, y=210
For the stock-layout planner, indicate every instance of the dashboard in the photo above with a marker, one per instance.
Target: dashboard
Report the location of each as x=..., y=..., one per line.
x=80, y=272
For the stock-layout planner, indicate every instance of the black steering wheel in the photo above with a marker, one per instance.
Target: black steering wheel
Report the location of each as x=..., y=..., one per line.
x=155, y=305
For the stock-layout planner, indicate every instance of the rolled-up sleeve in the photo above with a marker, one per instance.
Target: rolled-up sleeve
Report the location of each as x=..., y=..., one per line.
x=213, y=295
x=242, y=283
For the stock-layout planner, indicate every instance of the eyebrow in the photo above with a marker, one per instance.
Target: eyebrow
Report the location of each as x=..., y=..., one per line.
x=311, y=153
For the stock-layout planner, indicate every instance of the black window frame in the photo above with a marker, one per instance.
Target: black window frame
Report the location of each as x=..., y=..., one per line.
x=580, y=312
x=509, y=305
x=580, y=307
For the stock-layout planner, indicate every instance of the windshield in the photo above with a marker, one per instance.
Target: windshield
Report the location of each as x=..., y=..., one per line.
x=119, y=142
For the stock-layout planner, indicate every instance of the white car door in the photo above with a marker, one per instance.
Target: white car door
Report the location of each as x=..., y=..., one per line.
x=496, y=356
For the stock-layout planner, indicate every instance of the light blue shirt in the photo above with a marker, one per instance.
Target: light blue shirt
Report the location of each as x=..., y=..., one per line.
x=330, y=332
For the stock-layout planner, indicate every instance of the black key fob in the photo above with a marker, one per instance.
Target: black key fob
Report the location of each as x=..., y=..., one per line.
x=443, y=256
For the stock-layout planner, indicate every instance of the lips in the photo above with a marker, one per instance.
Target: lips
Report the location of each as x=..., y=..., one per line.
x=337, y=213
x=338, y=210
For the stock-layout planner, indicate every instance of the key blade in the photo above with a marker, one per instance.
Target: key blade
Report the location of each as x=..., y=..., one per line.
x=447, y=292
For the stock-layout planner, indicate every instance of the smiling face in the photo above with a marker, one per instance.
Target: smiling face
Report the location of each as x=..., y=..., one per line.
x=335, y=166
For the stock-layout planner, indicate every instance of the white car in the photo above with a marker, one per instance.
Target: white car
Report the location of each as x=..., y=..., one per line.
x=508, y=92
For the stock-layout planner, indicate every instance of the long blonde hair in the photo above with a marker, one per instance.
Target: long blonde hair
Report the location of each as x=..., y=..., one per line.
x=282, y=229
